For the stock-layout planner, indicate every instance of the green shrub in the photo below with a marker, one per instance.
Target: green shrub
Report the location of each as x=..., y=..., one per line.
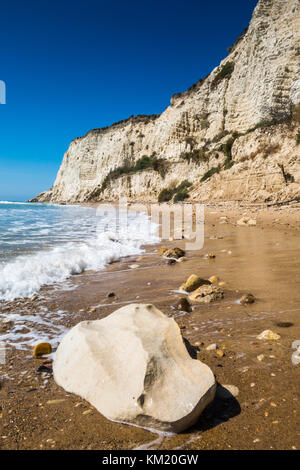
x=225, y=72
x=228, y=164
x=178, y=192
x=143, y=163
x=196, y=155
x=165, y=195
x=210, y=173
x=181, y=195
x=184, y=185
x=268, y=123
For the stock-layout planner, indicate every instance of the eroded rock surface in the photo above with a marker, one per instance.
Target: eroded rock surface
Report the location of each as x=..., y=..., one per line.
x=134, y=367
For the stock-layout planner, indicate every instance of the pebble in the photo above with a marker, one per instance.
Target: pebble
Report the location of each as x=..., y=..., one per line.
x=53, y=402
x=213, y=279
x=260, y=357
x=222, y=284
x=227, y=391
x=182, y=304
x=134, y=266
x=211, y=347
x=41, y=349
x=247, y=299
x=268, y=335
x=220, y=353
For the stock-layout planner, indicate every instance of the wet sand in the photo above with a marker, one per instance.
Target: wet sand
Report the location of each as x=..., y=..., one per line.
x=263, y=260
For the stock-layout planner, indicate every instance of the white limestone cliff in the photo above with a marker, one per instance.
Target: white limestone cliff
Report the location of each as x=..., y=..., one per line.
x=256, y=104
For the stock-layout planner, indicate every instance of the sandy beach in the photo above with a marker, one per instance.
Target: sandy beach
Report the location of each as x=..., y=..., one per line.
x=263, y=260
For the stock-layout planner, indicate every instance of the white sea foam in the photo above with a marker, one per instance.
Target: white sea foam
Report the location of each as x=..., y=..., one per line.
x=30, y=329
x=88, y=248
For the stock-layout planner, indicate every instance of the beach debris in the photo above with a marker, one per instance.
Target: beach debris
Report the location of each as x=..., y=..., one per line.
x=222, y=284
x=296, y=353
x=226, y=392
x=111, y=294
x=247, y=299
x=136, y=369
x=220, y=353
x=246, y=221
x=284, y=324
x=182, y=304
x=174, y=253
x=54, y=402
x=206, y=294
x=212, y=347
x=193, y=282
x=46, y=366
x=213, y=279
x=41, y=349
x=161, y=250
x=268, y=335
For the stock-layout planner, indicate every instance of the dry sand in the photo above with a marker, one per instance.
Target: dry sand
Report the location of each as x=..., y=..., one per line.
x=263, y=260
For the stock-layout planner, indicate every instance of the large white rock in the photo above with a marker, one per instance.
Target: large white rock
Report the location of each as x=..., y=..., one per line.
x=133, y=366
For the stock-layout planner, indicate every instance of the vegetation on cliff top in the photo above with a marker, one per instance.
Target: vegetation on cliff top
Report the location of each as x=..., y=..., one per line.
x=225, y=72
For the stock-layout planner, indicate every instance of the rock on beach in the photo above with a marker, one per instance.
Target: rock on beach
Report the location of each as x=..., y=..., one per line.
x=133, y=367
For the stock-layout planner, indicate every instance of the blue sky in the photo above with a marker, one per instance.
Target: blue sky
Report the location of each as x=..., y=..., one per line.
x=73, y=66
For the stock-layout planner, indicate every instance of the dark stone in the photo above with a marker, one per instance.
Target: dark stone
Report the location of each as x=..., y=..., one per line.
x=182, y=304
x=283, y=324
x=174, y=253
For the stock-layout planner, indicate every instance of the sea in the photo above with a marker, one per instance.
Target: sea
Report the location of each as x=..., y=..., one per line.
x=46, y=244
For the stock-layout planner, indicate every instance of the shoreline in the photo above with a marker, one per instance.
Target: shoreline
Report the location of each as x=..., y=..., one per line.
x=263, y=261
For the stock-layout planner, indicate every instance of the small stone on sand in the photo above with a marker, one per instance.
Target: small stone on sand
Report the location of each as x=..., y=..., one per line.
x=268, y=335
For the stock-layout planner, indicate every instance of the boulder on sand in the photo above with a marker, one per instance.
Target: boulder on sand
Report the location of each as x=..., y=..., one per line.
x=134, y=367
x=174, y=253
x=206, y=294
x=193, y=282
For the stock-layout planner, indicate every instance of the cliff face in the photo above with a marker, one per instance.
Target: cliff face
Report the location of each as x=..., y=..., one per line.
x=237, y=130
